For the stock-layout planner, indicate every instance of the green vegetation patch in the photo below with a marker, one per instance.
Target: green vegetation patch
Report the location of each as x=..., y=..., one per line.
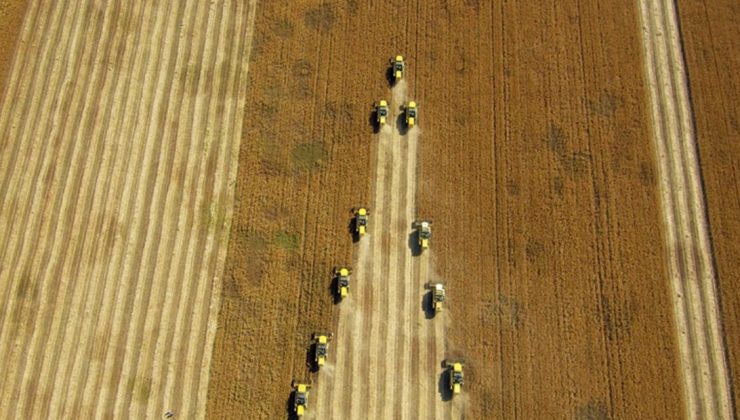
x=309, y=155
x=287, y=240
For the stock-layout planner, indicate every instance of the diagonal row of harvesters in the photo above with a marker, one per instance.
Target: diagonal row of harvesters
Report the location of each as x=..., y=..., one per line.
x=342, y=274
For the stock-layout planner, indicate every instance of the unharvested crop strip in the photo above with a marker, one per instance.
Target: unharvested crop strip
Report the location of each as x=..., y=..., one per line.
x=705, y=376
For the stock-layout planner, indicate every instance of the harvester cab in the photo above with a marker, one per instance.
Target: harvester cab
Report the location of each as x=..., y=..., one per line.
x=457, y=377
x=411, y=114
x=321, y=347
x=361, y=219
x=399, y=66
x=423, y=233
x=342, y=275
x=300, y=398
x=381, y=112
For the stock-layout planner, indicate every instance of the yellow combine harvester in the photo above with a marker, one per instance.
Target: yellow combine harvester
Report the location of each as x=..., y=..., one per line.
x=457, y=377
x=438, y=296
x=361, y=219
x=381, y=112
x=342, y=275
x=398, y=66
x=411, y=112
x=321, y=347
x=300, y=398
x=423, y=233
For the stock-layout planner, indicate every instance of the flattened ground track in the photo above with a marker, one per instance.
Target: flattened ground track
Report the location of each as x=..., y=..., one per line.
x=705, y=374
x=120, y=135
x=387, y=355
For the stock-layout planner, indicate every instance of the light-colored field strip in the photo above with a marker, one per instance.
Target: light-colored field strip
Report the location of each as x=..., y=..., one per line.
x=705, y=376
x=120, y=137
x=374, y=373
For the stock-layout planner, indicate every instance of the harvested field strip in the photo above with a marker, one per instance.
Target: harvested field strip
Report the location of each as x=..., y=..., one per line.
x=705, y=376
x=119, y=150
x=710, y=36
x=375, y=373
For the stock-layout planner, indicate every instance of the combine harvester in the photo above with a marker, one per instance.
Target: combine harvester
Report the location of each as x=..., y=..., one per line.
x=398, y=67
x=411, y=112
x=300, y=398
x=342, y=275
x=457, y=377
x=423, y=233
x=321, y=347
x=381, y=112
x=361, y=219
x=438, y=296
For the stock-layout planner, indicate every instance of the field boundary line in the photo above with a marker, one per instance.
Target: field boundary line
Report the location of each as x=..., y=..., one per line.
x=691, y=271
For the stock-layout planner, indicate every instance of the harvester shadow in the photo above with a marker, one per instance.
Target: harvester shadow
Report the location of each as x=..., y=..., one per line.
x=443, y=385
x=427, y=305
x=401, y=126
x=289, y=407
x=389, y=77
x=313, y=367
x=414, y=242
x=353, y=231
x=333, y=290
x=373, y=121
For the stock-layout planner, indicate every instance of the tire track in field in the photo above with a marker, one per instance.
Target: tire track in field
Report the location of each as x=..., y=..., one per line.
x=101, y=121
x=391, y=360
x=705, y=375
